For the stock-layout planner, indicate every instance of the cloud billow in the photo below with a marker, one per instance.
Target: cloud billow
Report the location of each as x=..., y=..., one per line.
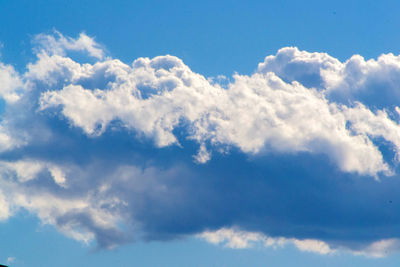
x=304, y=150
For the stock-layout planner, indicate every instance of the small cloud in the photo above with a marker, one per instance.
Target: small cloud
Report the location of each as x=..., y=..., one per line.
x=237, y=239
x=58, y=44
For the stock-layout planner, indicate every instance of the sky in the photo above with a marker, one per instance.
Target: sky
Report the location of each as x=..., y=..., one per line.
x=199, y=133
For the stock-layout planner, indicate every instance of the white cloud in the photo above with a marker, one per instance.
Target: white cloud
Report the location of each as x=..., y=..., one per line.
x=7, y=141
x=233, y=238
x=5, y=212
x=11, y=85
x=312, y=245
x=373, y=82
x=256, y=113
x=25, y=169
x=317, y=70
x=78, y=217
x=58, y=44
x=238, y=239
x=58, y=175
x=292, y=104
x=380, y=249
x=203, y=155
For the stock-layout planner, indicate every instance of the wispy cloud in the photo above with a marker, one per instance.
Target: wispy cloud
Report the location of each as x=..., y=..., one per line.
x=237, y=239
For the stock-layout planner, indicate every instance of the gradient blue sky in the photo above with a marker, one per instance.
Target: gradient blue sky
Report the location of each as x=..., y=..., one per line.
x=295, y=194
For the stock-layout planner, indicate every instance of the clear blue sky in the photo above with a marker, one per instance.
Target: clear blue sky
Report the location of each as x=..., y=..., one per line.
x=212, y=38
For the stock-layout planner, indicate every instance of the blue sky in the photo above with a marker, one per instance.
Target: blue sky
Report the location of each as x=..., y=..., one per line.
x=182, y=133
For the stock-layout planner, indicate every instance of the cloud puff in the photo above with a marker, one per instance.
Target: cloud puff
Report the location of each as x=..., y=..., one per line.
x=11, y=83
x=114, y=152
x=372, y=82
x=58, y=44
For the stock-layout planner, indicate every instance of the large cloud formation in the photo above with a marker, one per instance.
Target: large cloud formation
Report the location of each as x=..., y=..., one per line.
x=303, y=151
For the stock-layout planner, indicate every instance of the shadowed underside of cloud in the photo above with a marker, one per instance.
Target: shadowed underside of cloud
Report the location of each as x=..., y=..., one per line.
x=304, y=151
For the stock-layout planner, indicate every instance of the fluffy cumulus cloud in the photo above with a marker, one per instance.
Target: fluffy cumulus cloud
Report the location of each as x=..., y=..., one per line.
x=303, y=151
